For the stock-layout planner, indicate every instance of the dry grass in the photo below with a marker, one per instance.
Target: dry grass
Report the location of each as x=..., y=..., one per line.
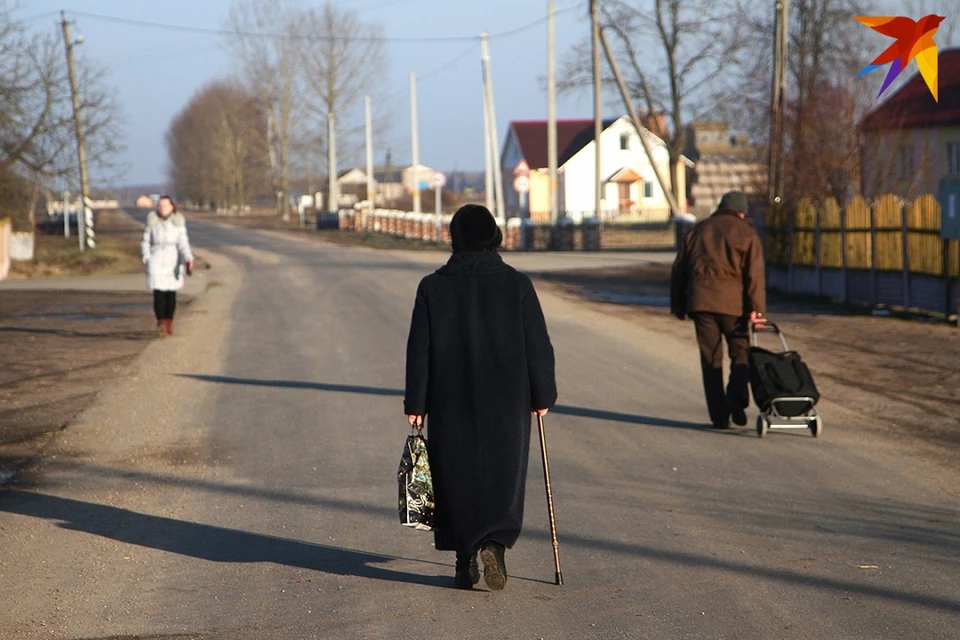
x=117, y=252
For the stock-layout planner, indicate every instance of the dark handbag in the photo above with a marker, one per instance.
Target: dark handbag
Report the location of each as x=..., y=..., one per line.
x=416, y=485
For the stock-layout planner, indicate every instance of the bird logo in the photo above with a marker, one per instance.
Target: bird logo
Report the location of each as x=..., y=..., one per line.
x=914, y=40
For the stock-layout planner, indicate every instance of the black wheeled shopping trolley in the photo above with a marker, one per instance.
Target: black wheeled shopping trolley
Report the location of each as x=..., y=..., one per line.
x=782, y=387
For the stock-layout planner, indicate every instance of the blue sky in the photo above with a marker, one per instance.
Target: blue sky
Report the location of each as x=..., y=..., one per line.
x=156, y=71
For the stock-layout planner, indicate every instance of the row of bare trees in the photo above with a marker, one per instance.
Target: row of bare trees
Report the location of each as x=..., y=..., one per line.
x=217, y=147
x=37, y=136
x=254, y=136
x=701, y=59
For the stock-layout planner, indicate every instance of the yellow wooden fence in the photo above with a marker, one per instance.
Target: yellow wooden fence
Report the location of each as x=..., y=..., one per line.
x=882, y=235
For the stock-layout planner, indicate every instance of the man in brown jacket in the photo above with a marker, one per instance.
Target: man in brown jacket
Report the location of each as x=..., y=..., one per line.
x=718, y=280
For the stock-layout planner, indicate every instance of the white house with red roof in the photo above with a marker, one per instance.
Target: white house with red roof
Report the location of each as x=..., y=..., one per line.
x=629, y=184
x=911, y=142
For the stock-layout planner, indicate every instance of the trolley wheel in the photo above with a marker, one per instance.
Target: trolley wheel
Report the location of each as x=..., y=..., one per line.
x=816, y=425
x=762, y=425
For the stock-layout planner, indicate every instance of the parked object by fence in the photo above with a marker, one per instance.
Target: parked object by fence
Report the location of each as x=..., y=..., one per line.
x=6, y=234
x=888, y=252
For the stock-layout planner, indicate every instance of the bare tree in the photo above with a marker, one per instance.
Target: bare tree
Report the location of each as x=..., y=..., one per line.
x=345, y=63
x=825, y=101
x=267, y=39
x=672, y=53
x=217, y=146
x=36, y=123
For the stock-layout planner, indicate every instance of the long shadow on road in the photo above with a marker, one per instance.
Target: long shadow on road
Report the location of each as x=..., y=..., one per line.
x=295, y=384
x=219, y=544
x=206, y=542
x=564, y=410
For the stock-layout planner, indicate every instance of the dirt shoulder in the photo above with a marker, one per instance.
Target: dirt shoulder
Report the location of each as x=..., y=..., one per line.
x=902, y=375
x=58, y=349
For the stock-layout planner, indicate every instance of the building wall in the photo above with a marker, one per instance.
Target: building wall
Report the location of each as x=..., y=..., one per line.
x=539, y=196
x=907, y=163
x=421, y=176
x=579, y=182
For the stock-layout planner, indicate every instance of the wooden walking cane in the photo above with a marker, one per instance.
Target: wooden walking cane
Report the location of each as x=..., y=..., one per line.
x=553, y=522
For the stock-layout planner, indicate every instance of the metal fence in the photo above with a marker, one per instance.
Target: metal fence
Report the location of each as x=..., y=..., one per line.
x=888, y=252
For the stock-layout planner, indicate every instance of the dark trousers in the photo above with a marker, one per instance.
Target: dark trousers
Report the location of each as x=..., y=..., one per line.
x=712, y=329
x=164, y=304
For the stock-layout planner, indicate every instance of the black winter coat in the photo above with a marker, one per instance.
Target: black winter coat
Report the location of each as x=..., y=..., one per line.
x=479, y=360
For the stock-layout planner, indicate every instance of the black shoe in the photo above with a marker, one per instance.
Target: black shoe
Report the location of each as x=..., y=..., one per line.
x=468, y=573
x=737, y=414
x=721, y=425
x=494, y=567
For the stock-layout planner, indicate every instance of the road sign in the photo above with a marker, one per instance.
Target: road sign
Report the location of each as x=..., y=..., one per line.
x=438, y=180
x=521, y=184
x=950, y=209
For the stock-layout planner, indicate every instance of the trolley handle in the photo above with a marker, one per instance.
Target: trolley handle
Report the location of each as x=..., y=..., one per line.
x=767, y=327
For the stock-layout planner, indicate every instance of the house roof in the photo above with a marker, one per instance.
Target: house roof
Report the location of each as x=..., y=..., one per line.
x=572, y=136
x=912, y=106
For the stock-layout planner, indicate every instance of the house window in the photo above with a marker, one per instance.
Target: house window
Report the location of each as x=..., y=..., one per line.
x=905, y=161
x=647, y=189
x=953, y=158
x=624, y=141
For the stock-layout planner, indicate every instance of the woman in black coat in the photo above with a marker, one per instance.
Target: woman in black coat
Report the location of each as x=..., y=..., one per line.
x=479, y=364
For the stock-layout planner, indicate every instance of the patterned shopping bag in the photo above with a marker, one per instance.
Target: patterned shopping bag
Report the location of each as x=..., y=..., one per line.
x=416, y=485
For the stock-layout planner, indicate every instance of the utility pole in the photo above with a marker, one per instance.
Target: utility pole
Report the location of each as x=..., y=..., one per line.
x=597, y=108
x=775, y=165
x=334, y=204
x=487, y=156
x=415, y=142
x=664, y=185
x=552, y=115
x=500, y=212
x=370, y=194
x=85, y=214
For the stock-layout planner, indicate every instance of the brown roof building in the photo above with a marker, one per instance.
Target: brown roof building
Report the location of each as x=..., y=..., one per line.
x=911, y=142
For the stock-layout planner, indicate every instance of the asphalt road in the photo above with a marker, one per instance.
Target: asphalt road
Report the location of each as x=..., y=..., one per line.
x=240, y=483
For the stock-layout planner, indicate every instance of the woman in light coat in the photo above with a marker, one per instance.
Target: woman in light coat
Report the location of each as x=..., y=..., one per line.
x=165, y=250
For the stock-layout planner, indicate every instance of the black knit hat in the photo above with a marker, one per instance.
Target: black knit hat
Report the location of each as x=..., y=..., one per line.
x=473, y=228
x=733, y=201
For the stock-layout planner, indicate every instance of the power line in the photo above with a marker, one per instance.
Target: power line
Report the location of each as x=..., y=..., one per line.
x=317, y=38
